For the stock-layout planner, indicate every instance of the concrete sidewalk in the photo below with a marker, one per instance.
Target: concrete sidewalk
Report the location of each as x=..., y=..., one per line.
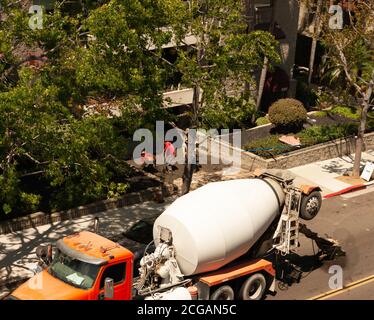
x=324, y=173
x=17, y=250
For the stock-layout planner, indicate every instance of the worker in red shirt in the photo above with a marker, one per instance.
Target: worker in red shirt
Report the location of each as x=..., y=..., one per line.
x=170, y=153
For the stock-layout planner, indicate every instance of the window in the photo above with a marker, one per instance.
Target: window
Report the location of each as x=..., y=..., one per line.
x=72, y=271
x=116, y=272
x=263, y=12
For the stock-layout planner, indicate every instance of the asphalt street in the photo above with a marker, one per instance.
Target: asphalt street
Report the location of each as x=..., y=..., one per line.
x=349, y=220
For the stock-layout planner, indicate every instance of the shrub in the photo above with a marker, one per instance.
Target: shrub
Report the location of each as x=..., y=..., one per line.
x=288, y=114
x=228, y=112
x=262, y=120
x=320, y=134
x=305, y=94
x=320, y=114
x=270, y=146
x=347, y=112
x=116, y=190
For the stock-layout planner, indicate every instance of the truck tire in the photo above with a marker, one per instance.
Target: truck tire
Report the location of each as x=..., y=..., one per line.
x=310, y=205
x=223, y=293
x=253, y=288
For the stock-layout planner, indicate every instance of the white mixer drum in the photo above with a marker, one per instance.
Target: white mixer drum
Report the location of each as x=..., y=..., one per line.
x=219, y=222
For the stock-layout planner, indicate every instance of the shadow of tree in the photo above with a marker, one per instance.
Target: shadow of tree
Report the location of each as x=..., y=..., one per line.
x=17, y=250
x=340, y=166
x=334, y=167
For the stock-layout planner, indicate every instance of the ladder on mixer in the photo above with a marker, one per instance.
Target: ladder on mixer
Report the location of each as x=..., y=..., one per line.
x=286, y=236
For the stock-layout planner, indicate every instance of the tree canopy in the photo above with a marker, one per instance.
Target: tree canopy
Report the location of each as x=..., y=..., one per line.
x=54, y=157
x=349, y=65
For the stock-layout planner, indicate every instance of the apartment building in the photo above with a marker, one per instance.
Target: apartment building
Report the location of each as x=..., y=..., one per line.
x=284, y=14
x=261, y=13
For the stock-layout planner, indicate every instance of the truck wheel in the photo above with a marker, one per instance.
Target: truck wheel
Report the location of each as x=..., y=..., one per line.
x=223, y=293
x=310, y=205
x=253, y=288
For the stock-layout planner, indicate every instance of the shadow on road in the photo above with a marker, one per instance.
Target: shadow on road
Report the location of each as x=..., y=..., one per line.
x=17, y=249
x=293, y=267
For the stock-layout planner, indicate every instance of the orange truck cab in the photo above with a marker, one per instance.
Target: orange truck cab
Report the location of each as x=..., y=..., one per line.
x=86, y=266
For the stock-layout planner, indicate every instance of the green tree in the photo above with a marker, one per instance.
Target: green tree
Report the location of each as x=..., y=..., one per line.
x=220, y=62
x=350, y=64
x=43, y=144
x=50, y=155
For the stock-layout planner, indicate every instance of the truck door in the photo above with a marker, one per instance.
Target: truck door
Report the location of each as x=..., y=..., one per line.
x=118, y=273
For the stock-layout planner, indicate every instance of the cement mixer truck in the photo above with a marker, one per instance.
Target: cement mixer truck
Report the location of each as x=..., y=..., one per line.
x=212, y=243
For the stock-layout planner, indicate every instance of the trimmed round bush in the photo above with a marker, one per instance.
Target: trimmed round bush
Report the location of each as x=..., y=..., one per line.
x=287, y=113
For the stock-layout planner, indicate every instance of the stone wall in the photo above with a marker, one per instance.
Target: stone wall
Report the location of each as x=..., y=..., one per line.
x=249, y=161
x=42, y=218
x=324, y=151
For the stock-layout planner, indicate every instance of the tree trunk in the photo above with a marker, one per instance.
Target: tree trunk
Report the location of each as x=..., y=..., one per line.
x=266, y=61
x=250, y=20
x=161, y=197
x=195, y=106
x=189, y=167
x=311, y=60
x=261, y=83
x=187, y=177
x=361, y=131
x=316, y=31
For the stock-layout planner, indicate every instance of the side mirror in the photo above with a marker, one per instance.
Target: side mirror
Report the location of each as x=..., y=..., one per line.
x=108, y=288
x=41, y=252
x=134, y=292
x=50, y=254
x=45, y=254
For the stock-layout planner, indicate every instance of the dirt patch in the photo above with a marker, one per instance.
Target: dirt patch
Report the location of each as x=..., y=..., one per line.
x=139, y=183
x=329, y=119
x=351, y=180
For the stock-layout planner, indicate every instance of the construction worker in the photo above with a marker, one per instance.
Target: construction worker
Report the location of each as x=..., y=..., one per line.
x=170, y=153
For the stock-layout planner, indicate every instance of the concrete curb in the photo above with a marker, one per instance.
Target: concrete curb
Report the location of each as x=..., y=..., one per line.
x=353, y=188
x=41, y=218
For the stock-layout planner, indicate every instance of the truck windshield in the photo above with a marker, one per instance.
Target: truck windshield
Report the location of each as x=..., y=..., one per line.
x=72, y=271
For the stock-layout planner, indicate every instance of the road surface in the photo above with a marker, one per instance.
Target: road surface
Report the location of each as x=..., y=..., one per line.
x=350, y=220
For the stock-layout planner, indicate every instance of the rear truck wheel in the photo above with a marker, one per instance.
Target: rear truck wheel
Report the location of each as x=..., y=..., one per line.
x=223, y=293
x=310, y=205
x=253, y=288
